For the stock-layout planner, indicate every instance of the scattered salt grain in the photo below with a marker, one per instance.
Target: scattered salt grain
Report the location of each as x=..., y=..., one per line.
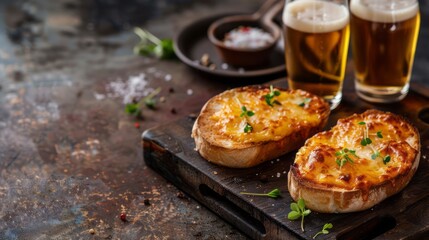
x=168, y=77
x=284, y=172
x=99, y=96
x=189, y=91
x=224, y=66
x=278, y=174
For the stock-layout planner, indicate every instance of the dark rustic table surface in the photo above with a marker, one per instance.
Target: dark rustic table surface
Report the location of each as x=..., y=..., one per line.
x=70, y=157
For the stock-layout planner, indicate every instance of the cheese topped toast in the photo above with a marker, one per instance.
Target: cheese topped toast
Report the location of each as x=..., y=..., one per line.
x=361, y=161
x=245, y=126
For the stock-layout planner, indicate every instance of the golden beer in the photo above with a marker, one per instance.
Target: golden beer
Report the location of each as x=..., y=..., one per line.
x=384, y=38
x=316, y=37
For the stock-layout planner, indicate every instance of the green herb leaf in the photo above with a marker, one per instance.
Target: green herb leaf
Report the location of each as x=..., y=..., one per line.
x=152, y=46
x=132, y=109
x=294, y=207
x=306, y=212
x=245, y=112
x=293, y=215
x=379, y=135
x=248, y=128
x=365, y=141
x=362, y=123
x=301, y=204
x=338, y=161
x=165, y=50
x=275, y=193
x=386, y=159
x=327, y=226
x=324, y=229
x=269, y=97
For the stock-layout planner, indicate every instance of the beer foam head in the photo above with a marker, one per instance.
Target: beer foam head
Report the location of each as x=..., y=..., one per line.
x=385, y=11
x=315, y=16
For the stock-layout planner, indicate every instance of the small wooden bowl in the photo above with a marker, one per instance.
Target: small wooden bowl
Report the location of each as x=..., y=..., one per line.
x=247, y=57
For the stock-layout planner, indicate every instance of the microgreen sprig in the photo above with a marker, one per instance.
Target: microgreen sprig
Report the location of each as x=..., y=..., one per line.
x=149, y=101
x=343, y=156
x=152, y=46
x=272, y=194
x=245, y=112
x=269, y=97
x=324, y=229
x=366, y=141
x=298, y=211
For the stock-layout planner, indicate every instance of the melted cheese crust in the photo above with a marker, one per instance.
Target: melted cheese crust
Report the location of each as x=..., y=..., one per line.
x=269, y=123
x=316, y=161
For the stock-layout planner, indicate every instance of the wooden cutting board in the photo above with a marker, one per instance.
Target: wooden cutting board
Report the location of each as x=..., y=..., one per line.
x=169, y=149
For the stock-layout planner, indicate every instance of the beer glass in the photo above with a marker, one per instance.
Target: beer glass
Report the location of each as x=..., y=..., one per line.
x=316, y=34
x=384, y=37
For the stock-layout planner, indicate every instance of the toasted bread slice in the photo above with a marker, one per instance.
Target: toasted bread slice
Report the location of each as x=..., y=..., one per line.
x=340, y=170
x=227, y=135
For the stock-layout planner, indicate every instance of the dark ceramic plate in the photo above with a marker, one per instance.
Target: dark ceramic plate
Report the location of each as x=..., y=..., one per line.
x=192, y=42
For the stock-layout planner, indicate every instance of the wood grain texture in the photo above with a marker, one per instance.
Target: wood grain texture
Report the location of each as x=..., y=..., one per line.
x=169, y=149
